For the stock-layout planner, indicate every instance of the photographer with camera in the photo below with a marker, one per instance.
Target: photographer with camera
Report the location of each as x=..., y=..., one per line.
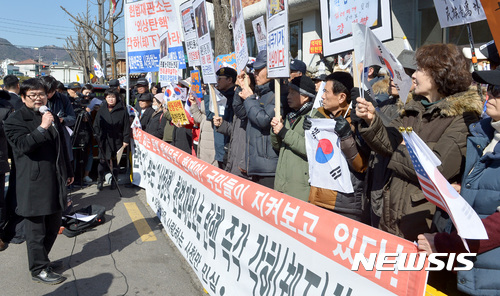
x=60, y=105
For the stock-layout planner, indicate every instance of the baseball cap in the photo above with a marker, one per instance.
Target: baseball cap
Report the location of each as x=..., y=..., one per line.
x=114, y=83
x=490, y=51
x=260, y=60
x=298, y=65
x=142, y=82
x=228, y=72
x=487, y=77
x=74, y=85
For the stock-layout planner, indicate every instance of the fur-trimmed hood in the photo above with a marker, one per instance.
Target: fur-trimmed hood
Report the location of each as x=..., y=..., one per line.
x=381, y=86
x=454, y=105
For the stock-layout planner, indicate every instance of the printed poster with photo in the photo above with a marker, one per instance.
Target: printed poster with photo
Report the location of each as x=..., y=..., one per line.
x=239, y=35
x=259, y=31
x=337, y=18
x=204, y=42
x=190, y=33
x=278, y=65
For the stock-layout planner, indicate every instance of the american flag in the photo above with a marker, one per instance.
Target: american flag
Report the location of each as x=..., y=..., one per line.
x=428, y=188
x=439, y=191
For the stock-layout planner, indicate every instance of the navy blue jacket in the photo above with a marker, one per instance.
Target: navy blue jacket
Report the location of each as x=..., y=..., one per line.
x=481, y=189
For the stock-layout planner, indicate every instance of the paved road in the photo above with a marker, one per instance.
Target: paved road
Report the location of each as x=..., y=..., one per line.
x=119, y=257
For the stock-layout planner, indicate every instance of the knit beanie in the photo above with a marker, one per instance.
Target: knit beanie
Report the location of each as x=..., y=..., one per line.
x=304, y=85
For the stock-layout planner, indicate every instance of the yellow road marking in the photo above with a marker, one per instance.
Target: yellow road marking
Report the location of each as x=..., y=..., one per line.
x=140, y=223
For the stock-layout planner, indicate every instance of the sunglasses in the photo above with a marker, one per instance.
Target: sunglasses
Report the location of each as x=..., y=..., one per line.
x=494, y=90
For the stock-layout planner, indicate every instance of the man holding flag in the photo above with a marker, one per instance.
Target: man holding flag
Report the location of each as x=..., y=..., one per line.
x=336, y=100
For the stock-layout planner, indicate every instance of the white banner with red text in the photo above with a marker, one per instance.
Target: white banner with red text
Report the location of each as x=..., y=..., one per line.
x=241, y=238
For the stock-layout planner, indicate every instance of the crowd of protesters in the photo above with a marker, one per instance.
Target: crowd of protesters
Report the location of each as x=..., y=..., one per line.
x=458, y=120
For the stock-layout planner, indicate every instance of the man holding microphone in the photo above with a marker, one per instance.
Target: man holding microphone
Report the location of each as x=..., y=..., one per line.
x=44, y=169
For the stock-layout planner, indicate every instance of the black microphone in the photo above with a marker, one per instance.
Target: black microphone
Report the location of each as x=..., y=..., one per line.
x=45, y=109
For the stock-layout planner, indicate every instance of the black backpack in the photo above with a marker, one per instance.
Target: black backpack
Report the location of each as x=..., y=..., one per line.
x=73, y=226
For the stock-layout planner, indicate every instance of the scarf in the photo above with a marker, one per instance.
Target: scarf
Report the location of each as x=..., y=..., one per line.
x=496, y=138
x=293, y=115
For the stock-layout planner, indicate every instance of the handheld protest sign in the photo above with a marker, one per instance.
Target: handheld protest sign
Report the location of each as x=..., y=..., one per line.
x=177, y=112
x=213, y=97
x=277, y=98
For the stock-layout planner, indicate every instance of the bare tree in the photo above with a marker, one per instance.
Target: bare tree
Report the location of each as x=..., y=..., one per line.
x=81, y=48
x=222, y=26
x=100, y=31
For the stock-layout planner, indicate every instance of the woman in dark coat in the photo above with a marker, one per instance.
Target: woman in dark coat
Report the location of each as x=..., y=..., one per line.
x=158, y=120
x=112, y=129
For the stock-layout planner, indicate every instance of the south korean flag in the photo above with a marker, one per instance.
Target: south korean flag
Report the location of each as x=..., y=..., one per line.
x=328, y=167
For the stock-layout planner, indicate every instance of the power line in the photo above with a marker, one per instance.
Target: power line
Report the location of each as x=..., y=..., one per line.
x=53, y=48
x=38, y=26
x=21, y=31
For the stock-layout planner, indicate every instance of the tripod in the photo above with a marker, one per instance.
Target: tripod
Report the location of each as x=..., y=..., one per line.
x=83, y=116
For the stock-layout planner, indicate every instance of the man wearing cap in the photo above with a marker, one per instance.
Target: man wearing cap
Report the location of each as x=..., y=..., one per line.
x=297, y=68
x=261, y=158
x=480, y=188
x=226, y=79
x=143, y=93
x=292, y=172
x=318, y=79
x=336, y=100
x=74, y=88
x=490, y=51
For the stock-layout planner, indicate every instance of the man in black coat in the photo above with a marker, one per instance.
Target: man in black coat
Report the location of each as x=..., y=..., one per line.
x=5, y=110
x=43, y=167
x=12, y=86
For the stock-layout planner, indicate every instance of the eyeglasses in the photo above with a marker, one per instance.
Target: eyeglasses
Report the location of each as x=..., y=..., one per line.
x=494, y=90
x=35, y=96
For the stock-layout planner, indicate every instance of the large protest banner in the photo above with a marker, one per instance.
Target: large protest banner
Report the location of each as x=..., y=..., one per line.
x=145, y=22
x=458, y=12
x=241, y=238
x=278, y=49
x=204, y=42
x=337, y=18
x=190, y=37
x=239, y=35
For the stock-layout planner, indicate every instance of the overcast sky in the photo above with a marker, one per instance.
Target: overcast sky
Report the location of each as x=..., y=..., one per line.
x=43, y=22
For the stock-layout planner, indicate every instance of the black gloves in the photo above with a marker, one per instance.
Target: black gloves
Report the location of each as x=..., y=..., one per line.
x=307, y=124
x=342, y=127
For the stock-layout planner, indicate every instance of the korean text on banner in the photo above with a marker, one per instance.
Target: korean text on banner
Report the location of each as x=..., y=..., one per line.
x=204, y=42
x=177, y=112
x=239, y=35
x=440, y=192
x=196, y=84
x=240, y=237
x=371, y=51
x=458, y=12
x=337, y=18
x=225, y=60
x=146, y=22
x=259, y=31
x=328, y=167
x=278, y=65
x=169, y=71
x=190, y=37
x=492, y=12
